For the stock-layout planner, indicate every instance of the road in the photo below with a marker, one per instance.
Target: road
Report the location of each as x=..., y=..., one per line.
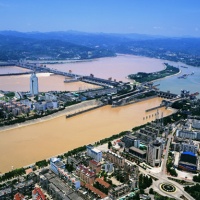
x=163, y=168
x=163, y=177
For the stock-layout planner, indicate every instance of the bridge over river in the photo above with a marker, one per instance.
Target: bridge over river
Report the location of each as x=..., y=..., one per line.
x=89, y=79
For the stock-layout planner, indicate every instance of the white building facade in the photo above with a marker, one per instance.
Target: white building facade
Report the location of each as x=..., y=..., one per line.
x=34, y=84
x=94, y=153
x=154, y=153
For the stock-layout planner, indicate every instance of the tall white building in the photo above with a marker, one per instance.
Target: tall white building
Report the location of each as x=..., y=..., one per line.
x=154, y=153
x=34, y=84
x=94, y=153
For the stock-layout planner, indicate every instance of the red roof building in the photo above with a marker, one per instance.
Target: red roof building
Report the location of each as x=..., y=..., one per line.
x=19, y=196
x=95, y=191
x=86, y=175
x=103, y=183
x=37, y=194
x=95, y=166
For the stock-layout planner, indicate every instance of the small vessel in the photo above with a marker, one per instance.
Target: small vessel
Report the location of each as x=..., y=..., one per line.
x=184, y=76
x=195, y=94
x=184, y=67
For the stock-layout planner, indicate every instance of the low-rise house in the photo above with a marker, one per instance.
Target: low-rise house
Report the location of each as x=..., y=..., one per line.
x=73, y=161
x=95, y=191
x=103, y=184
x=86, y=174
x=40, y=106
x=118, y=160
x=107, y=167
x=37, y=194
x=55, y=104
x=95, y=166
x=70, y=178
x=49, y=105
x=6, y=193
x=57, y=187
x=50, y=97
x=56, y=164
x=16, y=111
x=19, y=196
x=118, y=191
x=24, y=187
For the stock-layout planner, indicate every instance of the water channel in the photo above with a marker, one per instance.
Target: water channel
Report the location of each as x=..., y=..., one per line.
x=24, y=145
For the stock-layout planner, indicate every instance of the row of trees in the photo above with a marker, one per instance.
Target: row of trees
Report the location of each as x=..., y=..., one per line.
x=170, y=168
x=100, y=187
x=144, y=181
x=121, y=176
x=42, y=163
x=174, y=118
x=12, y=174
x=196, y=178
x=194, y=191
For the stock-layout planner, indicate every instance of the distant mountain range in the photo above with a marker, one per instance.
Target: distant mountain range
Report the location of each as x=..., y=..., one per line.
x=79, y=45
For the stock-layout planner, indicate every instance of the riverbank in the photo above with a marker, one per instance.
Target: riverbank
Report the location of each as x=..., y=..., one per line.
x=70, y=110
x=168, y=76
x=83, y=111
x=16, y=74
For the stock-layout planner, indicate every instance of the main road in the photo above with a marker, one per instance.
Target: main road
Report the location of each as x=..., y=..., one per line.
x=163, y=166
x=162, y=177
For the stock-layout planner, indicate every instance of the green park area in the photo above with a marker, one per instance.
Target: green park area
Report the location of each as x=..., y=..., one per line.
x=142, y=77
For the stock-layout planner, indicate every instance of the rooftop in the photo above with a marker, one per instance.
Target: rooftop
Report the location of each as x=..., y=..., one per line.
x=86, y=170
x=60, y=185
x=138, y=150
x=95, y=163
x=188, y=153
x=18, y=196
x=38, y=191
x=96, y=191
x=102, y=182
x=96, y=150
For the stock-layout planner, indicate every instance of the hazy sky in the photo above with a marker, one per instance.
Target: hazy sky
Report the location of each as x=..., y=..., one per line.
x=157, y=17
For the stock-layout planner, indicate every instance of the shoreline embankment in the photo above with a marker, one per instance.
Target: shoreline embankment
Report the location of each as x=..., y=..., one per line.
x=74, y=109
x=16, y=74
x=83, y=111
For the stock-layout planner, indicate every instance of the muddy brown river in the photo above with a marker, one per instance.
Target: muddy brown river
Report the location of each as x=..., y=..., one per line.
x=25, y=145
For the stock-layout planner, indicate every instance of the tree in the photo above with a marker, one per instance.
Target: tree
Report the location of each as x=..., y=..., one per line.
x=151, y=191
x=141, y=191
x=196, y=178
x=109, y=144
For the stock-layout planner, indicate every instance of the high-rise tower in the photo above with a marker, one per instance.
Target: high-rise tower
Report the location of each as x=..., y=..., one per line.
x=34, y=84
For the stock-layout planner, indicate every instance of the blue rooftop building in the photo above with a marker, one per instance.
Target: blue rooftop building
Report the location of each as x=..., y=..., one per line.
x=55, y=164
x=188, y=161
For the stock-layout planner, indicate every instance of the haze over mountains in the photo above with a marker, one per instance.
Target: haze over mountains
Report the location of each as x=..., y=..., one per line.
x=79, y=45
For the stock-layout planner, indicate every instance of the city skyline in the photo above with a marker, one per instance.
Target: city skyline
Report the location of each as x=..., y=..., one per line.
x=167, y=18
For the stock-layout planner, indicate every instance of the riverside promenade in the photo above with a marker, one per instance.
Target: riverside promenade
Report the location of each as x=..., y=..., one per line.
x=70, y=110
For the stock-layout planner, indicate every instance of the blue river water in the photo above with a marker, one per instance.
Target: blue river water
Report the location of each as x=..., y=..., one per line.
x=175, y=84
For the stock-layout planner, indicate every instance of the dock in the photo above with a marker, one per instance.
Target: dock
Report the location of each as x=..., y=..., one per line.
x=154, y=108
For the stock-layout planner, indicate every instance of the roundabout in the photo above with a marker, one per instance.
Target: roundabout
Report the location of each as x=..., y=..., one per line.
x=167, y=187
